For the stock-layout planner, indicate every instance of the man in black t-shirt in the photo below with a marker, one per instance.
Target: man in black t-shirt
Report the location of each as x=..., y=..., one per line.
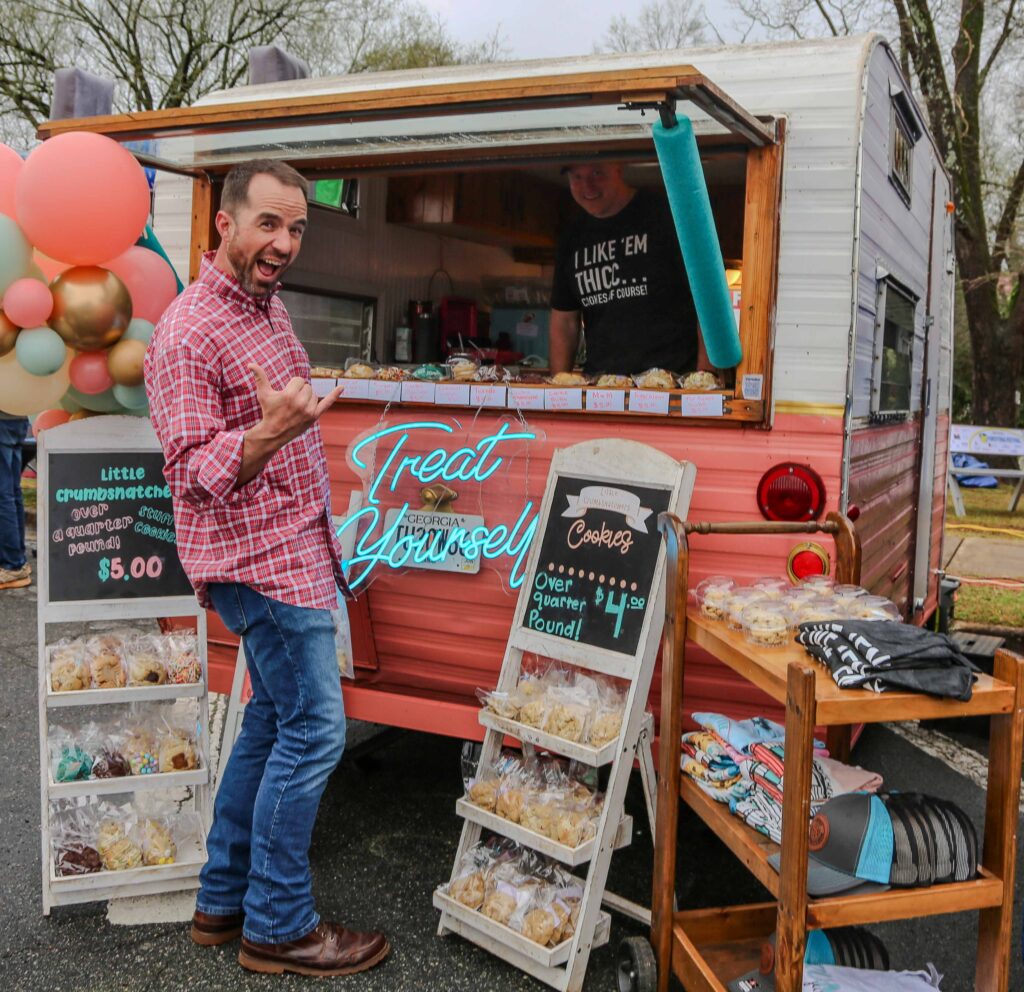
x=620, y=266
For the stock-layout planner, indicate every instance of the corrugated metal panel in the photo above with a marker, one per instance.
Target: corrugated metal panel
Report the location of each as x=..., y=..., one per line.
x=883, y=485
x=892, y=235
x=443, y=634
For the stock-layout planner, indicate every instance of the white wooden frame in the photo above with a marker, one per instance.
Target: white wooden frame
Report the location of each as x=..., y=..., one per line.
x=608, y=461
x=111, y=434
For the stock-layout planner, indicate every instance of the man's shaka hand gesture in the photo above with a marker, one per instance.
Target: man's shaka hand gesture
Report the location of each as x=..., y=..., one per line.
x=291, y=411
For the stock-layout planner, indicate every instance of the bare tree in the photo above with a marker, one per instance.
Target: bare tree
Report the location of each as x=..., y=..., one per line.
x=168, y=53
x=966, y=62
x=659, y=24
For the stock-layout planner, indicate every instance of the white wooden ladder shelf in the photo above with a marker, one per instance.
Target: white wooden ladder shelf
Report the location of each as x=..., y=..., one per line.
x=598, y=524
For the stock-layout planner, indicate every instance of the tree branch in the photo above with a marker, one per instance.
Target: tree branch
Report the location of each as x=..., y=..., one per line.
x=1007, y=219
x=1004, y=35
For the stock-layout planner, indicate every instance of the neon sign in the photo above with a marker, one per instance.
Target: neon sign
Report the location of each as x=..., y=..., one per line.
x=384, y=541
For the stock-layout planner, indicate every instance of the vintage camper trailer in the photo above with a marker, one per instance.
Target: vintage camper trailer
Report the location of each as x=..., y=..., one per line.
x=832, y=209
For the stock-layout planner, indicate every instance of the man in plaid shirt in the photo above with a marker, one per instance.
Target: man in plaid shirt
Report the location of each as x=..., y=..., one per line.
x=231, y=402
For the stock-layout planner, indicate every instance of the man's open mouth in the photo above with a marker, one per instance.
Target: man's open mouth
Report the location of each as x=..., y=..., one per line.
x=269, y=267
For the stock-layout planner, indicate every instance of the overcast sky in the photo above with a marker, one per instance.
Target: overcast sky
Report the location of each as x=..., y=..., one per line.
x=534, y=28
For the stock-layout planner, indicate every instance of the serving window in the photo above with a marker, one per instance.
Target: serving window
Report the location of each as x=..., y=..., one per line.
x=489, y=150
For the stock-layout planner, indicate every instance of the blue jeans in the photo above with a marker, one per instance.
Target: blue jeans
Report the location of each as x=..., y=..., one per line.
x=292, y=737
x=12, y=509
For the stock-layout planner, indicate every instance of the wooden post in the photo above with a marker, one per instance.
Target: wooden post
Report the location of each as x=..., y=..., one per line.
x=791, y=928
x=848, y=554
x=1002, y=809
x=673, y=648
x=202, y=224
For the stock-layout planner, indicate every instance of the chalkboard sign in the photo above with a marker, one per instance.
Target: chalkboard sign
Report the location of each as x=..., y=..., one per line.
x=111, y=527
x=594, y=573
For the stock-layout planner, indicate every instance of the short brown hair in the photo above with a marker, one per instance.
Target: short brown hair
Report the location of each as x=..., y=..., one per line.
x=236, y=184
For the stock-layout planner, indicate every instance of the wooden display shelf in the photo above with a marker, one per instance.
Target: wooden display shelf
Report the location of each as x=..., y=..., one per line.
x=506, y=942
x=767, y=669
x=571, y=856
x=129, y=694
x=128, y=783
x=708, y=949
x=594, y=756
x=754, y=848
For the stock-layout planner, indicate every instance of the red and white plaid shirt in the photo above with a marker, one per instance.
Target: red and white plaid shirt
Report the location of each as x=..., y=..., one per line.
x=274, y=533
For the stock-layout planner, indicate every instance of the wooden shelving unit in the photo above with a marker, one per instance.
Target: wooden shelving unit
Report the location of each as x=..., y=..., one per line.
x=708, y=948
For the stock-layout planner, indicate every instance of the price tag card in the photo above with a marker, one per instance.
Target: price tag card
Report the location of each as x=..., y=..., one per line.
x=752, y=386
x=355, y=389
x=697, y=405
x=606, y=399
x=487, y=395
x=323, y=386
x=452, y=393
x=525, y=398
x=418, y=392
x=648, y=401
x=563, y=399
x=384, y=391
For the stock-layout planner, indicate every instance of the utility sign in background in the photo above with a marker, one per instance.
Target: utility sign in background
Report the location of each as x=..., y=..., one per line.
x=594, y=574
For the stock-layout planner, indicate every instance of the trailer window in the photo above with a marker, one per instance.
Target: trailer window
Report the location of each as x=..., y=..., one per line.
x=903, y=135
x=894, y=350
x=336, y=194
x=331, y=327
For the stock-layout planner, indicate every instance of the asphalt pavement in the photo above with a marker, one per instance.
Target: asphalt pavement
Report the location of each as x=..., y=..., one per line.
x=385, y=837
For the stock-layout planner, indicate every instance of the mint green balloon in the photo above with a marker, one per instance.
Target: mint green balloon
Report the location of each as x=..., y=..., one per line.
x=15, y=252
x=131, y=397
x=138, y=330
x=40, y=351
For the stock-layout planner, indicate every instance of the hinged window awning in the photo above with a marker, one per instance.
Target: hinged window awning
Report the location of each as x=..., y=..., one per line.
x=447, y=121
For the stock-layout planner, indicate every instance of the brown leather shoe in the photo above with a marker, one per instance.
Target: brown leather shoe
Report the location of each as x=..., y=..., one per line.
x=210, y=930
x=330, y=949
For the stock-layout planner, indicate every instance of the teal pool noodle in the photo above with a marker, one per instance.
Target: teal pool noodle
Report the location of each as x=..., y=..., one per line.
x=695, y=227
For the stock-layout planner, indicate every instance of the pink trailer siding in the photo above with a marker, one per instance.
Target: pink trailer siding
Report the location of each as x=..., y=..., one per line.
x=440, y=635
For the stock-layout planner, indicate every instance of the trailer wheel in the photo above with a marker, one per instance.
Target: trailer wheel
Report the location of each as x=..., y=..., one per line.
x=638, y=969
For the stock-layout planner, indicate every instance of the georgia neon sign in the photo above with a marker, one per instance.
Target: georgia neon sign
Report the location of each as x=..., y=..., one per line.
x=382, y=544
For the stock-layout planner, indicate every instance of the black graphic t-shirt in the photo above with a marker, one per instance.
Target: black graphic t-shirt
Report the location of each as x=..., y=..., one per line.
x=626, y=275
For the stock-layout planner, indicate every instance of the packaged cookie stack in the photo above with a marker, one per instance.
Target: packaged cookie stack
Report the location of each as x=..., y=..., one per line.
x=107, y=837
x=562, y=701
x=518, y=889
x=132, y=745
x=116, y=659
x=770, y=609
x=544, y=796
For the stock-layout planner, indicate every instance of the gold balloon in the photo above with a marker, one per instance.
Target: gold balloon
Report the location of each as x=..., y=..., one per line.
x=124, y=362
x=8, y=334
x=91, y=307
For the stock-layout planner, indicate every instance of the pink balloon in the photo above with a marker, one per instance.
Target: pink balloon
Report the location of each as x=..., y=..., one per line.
x=81, y=198
x=50, y=267
x=89, y=373
x=28, y=302
x=150, y=281
x=49, y=418
x=10, y=166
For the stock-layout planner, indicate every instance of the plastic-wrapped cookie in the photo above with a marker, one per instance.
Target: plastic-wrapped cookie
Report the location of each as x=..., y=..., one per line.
x=655, y=379
x=739, y=599
x=569, y=379
x=464, y=370
x=873, y=608
x=614, y=381
x=700, y=380
x=566, y=720
x=766, y=625
x=605, y=728
x=510, y=804
x=177, y=753
x=360, y=370
x=122, y=855
x=69, y=671
x=499, y=906
x=712, y=596
x=468, y=890
x=484, y=793
x=532, y=712
x=158, y=847
x=539, y=925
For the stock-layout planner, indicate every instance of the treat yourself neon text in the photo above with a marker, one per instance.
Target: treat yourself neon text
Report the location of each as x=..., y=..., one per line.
x=382, y=544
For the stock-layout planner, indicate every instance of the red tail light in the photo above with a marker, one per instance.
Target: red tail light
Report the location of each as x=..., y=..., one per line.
x=789, y=491
x=807, y=559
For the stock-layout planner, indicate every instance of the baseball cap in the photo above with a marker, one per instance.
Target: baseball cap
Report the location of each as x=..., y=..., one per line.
x=849, y=947
x=866, y=843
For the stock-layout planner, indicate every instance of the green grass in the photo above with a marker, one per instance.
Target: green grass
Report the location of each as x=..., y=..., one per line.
x=986, y=508
x=990, y=605
x=987, y=517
